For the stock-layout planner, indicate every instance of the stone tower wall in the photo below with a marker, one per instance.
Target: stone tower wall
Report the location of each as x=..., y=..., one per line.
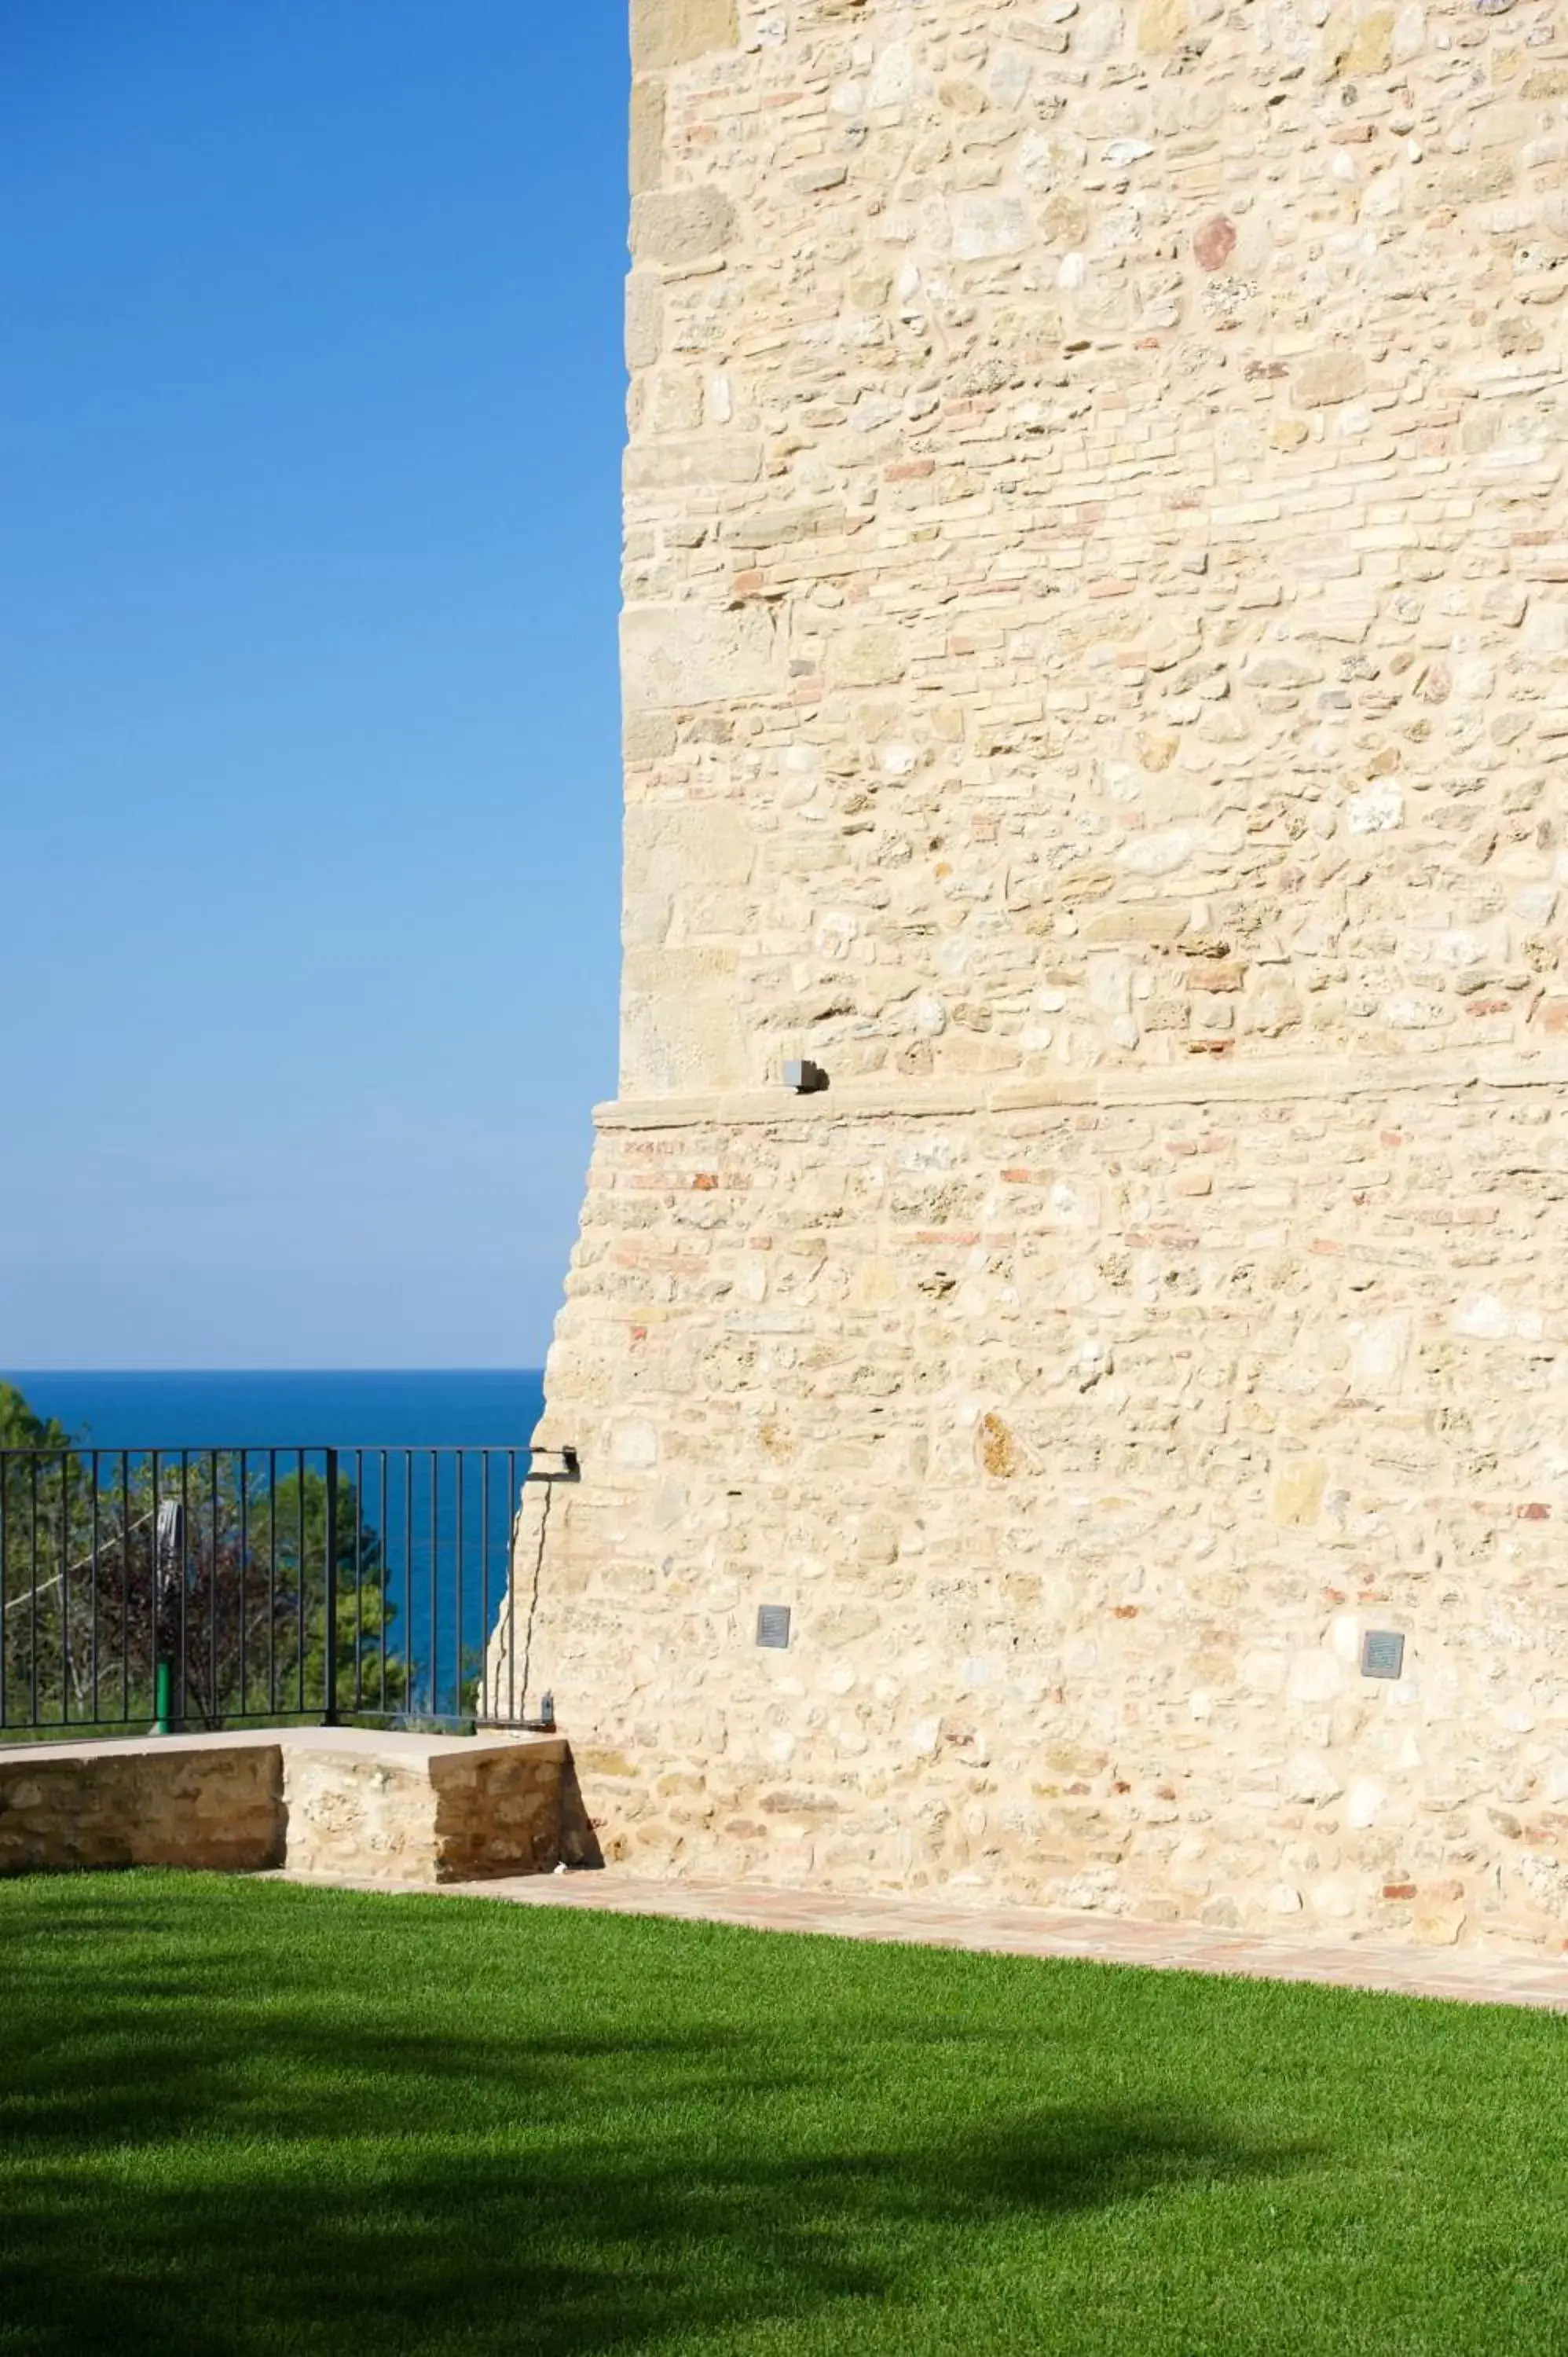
x=1096, y=676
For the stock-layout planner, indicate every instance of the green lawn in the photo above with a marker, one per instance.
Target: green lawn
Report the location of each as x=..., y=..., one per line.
x=242, y=2116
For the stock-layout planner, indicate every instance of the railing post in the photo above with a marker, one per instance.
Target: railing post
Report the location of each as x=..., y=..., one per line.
x=330, y=1715
x=168, y=1612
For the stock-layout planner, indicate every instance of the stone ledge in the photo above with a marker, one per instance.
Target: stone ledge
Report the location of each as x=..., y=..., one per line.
x=406, y=1809
x=1203, y=1081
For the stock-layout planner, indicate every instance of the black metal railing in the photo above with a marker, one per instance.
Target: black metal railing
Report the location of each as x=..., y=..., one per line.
x=205, y=1587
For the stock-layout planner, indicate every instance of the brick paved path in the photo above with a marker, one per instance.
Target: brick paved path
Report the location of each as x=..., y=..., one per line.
x=1473, y=1976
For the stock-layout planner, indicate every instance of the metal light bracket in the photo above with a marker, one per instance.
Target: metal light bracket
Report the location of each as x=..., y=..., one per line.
x=569, y=1462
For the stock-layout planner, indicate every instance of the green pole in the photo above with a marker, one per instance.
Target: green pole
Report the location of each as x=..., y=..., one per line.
x=161, y=1700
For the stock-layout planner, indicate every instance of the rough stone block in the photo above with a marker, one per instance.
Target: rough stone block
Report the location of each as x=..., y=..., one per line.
x=870, y=658
x=679, y=226
x=695, y=461
x=646, y=143
x=676, y=657
x=1161, y=24
x=644, y=320
x=671, y=32
x=680, y=1029
x=1326, y=378
x=671, y=847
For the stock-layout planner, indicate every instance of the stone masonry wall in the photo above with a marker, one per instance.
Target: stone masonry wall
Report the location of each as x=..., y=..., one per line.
x=119, y=1805
x=1096, y=676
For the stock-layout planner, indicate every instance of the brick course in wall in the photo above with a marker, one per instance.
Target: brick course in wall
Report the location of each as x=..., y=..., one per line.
x=1096, y=676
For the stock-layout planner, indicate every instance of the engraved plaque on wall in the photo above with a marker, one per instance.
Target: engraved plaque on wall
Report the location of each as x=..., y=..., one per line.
x=1382, y=1654
x=773, y=1624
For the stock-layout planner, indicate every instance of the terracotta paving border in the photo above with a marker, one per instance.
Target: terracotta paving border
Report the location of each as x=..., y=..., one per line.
x=1468, y=1975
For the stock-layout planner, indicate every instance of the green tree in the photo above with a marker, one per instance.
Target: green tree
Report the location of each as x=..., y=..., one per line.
x=40, y=1484
x=20, y=1429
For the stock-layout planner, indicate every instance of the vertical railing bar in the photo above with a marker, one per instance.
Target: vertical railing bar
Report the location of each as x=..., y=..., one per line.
x=33, y=1613
x=329, y=1588
x=408, y=1573
x=67, y=1678
x=514, y=1502
x=272, y=1582
x=435, y=1580
x=212, y=1601
x=160, y=1616
x=95, y=1567
x=161, y=1604
x=462, y=1461
x=386, y=1579
x=299, y=1593
x=245, y=1583
x=359, y=1581
x=182, y=1690
x=500, y=1601
x=508, y=1519
x=482, y=1684
x=125, y=1585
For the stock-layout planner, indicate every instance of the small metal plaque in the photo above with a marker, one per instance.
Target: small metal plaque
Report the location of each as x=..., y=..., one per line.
x=1382, y=1654
x=773, y=1624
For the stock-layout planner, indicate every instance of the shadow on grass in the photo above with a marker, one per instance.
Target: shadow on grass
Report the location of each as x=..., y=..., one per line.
x=195, y=2168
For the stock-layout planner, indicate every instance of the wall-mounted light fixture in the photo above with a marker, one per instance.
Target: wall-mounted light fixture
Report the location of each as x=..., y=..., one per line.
x=567, y=1459
x=1382, y=1654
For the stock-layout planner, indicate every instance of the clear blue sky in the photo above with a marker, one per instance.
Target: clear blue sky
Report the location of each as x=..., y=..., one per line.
x=311, y=402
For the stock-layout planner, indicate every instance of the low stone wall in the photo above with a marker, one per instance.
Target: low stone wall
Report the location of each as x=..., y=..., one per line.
x=158, y=1803
x=403, y=1809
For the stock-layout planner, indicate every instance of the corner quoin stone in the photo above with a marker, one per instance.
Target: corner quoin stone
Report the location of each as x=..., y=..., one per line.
x=644, y=318
x=682, y=225
x=671, y=32
x=674, y=657
x=646, y=143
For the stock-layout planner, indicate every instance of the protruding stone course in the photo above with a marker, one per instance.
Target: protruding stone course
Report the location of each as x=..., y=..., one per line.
x=1096, y=555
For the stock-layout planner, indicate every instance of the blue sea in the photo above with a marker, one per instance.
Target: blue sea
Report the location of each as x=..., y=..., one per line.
x=491, y=1407
x=442, y=1521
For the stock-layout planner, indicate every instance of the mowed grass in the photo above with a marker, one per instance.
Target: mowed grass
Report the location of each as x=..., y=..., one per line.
x=245, y=2117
